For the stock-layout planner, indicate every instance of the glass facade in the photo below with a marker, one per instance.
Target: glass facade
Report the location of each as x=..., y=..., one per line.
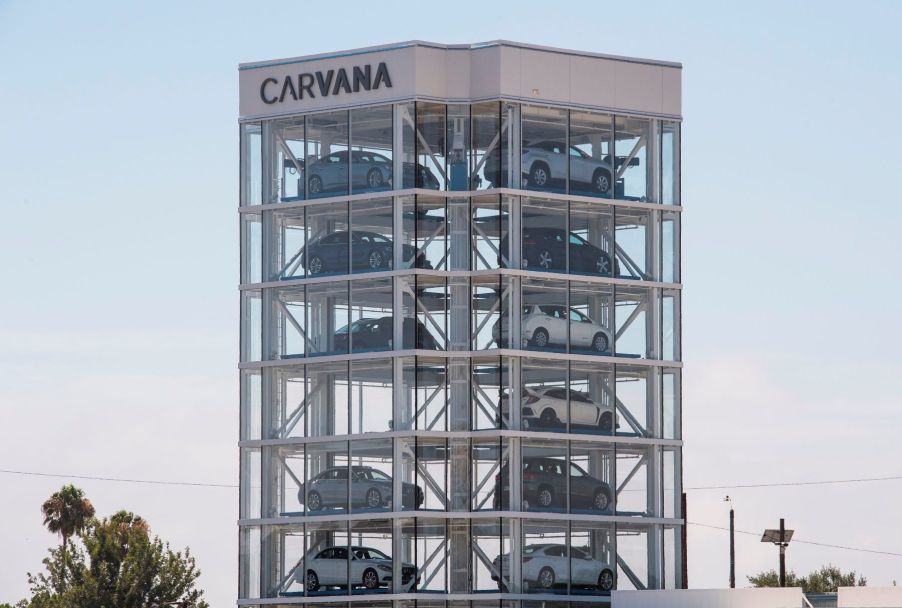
x=460, y=356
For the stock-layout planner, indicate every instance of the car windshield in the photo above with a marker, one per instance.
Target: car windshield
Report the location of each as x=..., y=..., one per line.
x=575, y=315
x=575, y=239
x=574, y=151
x=371, y=237
x=575, y=471
x=356, y=326
x=367, y=553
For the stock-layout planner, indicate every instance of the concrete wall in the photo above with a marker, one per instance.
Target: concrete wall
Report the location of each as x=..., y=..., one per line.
x=869, y=597
x=709, y=598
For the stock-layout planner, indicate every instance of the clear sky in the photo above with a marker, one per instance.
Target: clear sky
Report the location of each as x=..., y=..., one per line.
x=119, y=241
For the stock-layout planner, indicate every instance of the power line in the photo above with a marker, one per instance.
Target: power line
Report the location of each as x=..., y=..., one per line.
x=797, y=483
x=123, y=479
x=804, y=542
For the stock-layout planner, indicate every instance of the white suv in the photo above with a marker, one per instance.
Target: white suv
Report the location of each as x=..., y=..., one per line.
x=547, y=324
x=547, y=407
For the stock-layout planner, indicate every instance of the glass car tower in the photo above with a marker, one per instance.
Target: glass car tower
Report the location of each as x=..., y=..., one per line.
x=460, y=327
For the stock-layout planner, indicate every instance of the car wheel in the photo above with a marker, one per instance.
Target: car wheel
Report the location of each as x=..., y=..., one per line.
x=546, y=578
x=370, y=579
x=312, y=581
x=376, y=259
x=601, y=181
x=314, y=501
x=600, y=343
x=605, y=423
x=316, y=265
x=374, y=178
x=545, y=497
x=540, y=337
x=548, y=418
x=606, y=580
x=545, y=260
x=601, y=501
x=373, y=498
x=539, y=175
x=603, y=264
x=315, y=185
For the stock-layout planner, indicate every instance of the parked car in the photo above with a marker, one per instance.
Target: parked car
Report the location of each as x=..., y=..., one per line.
x=546, y=249
x=370, y=569
x=543, y=325
x=370, y=488
x=547, y=565
x=370, y=171
x=377, y=334
x=369, y=251
x=547, y=406
x=545, y=486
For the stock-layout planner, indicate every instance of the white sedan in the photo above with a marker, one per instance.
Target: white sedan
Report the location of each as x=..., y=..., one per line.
x=547, y=406
x=370, y=568
x=547, y=565
x=548, y=324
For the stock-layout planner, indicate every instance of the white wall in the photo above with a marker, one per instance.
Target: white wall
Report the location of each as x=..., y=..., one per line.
x=709, y=598
x=870, y=597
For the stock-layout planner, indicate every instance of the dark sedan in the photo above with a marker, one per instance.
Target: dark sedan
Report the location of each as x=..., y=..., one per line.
x=376, y=334
x=370, y=251
x=545, y=486
x=370, y=489
x=546, y=249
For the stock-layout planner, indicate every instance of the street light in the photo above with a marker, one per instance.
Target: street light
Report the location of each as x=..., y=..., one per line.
x=732, y=545
x=780, y=538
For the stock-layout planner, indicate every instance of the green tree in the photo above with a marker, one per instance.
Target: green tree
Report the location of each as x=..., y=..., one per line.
x=826, y=579
x=66, y=513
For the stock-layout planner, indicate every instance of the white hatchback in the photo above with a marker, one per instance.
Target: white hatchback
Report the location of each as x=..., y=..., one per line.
x=544, y=325
x=547, y=566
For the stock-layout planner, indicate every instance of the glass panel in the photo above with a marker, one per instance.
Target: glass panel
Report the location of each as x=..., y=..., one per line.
x=371, y=145
x=372, y=244
x=634, y=243
x=327, y=558
x=407, y=116
x=372, y=325
x=490, y=485
x=591, y=317
x=544, y=163
x=633, y=496
x=327, y=318
x=428, y=408
x=249, y=559
x=289, y=413
x=545, y=560
x=371, y=395
x=671, y=480
x=591, y=239
x=631, y=149
x=431, y=322
x=430, y=476
x=671, y=407
x=670, y=247
x=670, y=325
x=459, y=474
x=489, y=309
x=425, y=233
x=544, y=318
x=371, y=475
x=490, y=217
x=327, y=154
x=430, y=143
x=327, y=399
x=327, y=240
x=426, y=546
x=288, y=153
x=545, y=239
x=592, y=558
x=491, y=541
x=634, y=561
x=633, y=318
x=251, y=484
x=670, y=163
x=458, y=138
x=489, y=381
x=591, y=171
x=291, y=233
x=543, y=398
x=326, y=490
x=291, y=312
x=591, y=474
x=251, y=249
x=251, y=404
x=251, y=326
x=545, y=475
x=371, y=558
x=635, y=400
x=592, y=407
x=486, y=121
x=672, y=558
x=251, y=164
x=287, y=498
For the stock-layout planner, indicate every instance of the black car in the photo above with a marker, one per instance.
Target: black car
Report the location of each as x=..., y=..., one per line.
x=546, y=249
x=545, y=486
x=369, y=251
x=370, y=488
x=376, y=334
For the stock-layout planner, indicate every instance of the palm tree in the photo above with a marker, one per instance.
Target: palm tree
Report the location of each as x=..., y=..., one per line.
x=66, y=513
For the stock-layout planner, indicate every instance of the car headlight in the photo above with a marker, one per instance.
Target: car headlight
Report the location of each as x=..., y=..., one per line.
x=384, y=568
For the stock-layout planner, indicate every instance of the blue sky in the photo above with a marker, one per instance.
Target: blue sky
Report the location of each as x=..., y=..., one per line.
x=118, y=329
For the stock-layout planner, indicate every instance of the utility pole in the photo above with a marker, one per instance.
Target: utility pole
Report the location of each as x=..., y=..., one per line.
x=781, y=538
x=732, y=544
